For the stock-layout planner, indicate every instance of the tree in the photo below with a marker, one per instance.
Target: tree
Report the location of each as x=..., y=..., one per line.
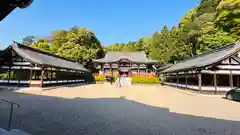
x=79, y=44
x=42, y=45
x=28, y=40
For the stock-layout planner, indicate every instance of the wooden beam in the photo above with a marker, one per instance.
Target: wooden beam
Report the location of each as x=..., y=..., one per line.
x=215, y=81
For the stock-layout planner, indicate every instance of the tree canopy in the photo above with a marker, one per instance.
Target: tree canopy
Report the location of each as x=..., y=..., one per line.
x=79, y=44
x=211, y=24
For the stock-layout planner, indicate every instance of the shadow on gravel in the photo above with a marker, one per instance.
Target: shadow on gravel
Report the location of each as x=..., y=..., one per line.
x=44, y=115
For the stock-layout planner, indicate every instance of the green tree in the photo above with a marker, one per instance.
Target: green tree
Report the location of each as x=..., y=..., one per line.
x=79, y=44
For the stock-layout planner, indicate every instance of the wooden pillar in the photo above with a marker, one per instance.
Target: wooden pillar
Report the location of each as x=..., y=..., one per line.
x=215, y=81
x=138, y=69
x=111, y=69
x=42, y=75
x=51, y=75
x=9, y=73
x=237, y=80
x=30, y=77
x=199, y=81
x=20, y=76
x=186, y=80
x=146, y=69
x=231, y=79
x=177, y=79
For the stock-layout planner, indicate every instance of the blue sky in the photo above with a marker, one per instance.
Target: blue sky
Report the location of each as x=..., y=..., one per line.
x=112, y=20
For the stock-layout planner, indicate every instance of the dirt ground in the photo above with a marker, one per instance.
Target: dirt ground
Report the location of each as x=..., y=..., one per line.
x=177, y=101
x=138, y=109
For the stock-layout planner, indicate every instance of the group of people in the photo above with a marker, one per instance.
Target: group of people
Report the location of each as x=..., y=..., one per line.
x=119, y=81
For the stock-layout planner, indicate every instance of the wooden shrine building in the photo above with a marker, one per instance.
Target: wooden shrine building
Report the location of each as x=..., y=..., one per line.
x=22, y=65
x=125, y=63
x=216, y=71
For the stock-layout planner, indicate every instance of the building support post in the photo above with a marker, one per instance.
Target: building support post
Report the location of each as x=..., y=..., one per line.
x=30, y=77
x=231, y=79
x=215, y=82
x=138, y=69
x=42, y=75
x=177, y=79
x=237, y=80
x=111, y=70
x=19, y=79
x=186, y=81
x=9, y=73
x=199, y=81
x=146, y=70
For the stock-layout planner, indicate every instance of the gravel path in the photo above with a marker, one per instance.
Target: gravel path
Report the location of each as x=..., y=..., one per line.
x=102, y=109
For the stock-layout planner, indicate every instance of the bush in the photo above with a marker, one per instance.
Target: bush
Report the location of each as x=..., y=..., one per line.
x=135, y=79
x=100, y=78
x=145, y=79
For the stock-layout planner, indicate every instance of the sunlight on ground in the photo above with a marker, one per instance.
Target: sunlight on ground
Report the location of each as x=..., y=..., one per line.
x=158, y=96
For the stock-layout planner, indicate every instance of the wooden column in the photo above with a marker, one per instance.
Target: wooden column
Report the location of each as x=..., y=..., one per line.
x=42, y=73
x=215, y=82
x=9, y=73
x=51, y=75
x=138, y=69
x=231, y=79
x=103, y=69
x=199, y=81
x=146, y=69
x=186, y=80
x=111, y=69
x=20, y=76
x=30, y=78
x=177, y=79
x=237, y=80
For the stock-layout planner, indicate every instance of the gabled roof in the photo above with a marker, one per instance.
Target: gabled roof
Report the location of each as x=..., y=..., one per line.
x=138, y=57
x=39, y=57
x=164, y=67
x=205, y=59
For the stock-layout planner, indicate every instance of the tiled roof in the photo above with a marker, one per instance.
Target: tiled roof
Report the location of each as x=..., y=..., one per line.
x=205, y=59
x=137, y=57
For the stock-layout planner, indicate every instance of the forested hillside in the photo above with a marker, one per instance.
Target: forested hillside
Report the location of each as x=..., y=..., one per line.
x=211, y=24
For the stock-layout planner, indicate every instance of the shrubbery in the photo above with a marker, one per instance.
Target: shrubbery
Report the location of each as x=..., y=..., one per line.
x=135, y=79
x=145, y=79
x=100, y=78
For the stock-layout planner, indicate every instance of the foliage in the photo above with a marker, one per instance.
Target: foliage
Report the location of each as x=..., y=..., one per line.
x=135, y=79
x=42, y=45
x=78, y=44
x=145, y=79
x=100, y=78
x=211, y=24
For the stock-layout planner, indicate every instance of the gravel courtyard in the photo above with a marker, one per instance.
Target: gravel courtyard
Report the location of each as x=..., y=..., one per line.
x=102, y=109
